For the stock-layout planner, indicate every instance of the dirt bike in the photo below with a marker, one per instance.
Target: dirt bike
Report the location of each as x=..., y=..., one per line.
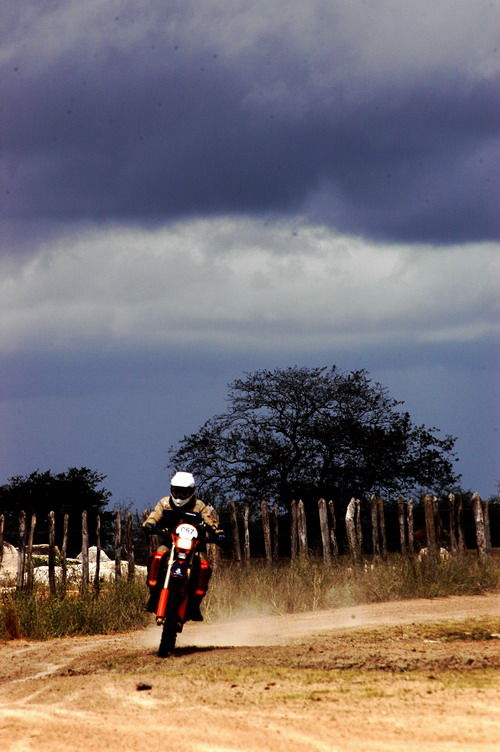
x=184, y=578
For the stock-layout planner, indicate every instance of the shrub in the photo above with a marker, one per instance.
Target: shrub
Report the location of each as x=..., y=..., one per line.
x=37, y=615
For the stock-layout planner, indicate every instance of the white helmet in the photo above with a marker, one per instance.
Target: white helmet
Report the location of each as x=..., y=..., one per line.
x=182, y=487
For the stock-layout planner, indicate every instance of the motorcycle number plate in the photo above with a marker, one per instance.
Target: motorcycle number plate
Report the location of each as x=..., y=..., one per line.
x=186, y=531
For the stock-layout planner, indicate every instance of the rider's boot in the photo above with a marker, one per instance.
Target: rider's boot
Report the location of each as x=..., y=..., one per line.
x=193, y=609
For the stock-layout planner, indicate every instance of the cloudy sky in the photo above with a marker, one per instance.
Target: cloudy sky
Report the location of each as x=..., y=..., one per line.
x=197, y=188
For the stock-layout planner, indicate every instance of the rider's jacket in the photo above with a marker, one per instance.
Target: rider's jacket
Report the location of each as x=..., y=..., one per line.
x=196, y=505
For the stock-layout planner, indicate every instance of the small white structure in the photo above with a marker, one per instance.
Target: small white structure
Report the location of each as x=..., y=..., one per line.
x=103, y=557
x=8, y=567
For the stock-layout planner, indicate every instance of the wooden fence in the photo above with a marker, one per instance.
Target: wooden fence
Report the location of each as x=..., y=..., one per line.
x=411, y=540
x=269, y=534
x=57, y=559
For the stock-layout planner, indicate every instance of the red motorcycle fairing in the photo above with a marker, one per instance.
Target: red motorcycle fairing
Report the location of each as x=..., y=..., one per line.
x=155, y=567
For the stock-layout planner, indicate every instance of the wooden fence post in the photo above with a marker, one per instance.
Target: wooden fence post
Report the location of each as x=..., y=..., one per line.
x=276, y=533
x=97, y=570
x=213, y=550
x=325, y=537
x=118, y=544
x=357, y=522
x=302, y=529
x=381, y=522
x=64, y=550
x=235, y=533
x=293, y=529
x=129, y=543
x=409, y=525
x=152, y=540
x=246, y=534
x=333, y=528
x=29, y=555
x=352, y=530
x=52, y=553
x=264, y=507
x=485, y=504
x=477, y=509
x=430, y=528
x=453, y=535
x=460, y=525
x=85, y=552
x=401, y=521
x=21, y=558
x=375, y=526
x=2, y=524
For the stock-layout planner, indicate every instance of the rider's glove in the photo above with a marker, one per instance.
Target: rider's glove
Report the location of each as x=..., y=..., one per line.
x=150, y=528
x=220, y=538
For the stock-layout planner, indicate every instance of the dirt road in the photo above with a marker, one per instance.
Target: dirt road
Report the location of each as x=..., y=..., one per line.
x=412, y=675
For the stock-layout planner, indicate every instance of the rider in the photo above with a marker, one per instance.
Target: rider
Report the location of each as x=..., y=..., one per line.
x=166, y=514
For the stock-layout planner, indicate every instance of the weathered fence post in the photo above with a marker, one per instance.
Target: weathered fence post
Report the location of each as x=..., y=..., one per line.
x=21, y=558
x=401, y=521
x=453, y=535
x=302, y=529
x=485, y=504
x=409, y=525
x=266, y=527
x=246, y=534
x=276, y=533
x=325, y=537
x=293, y=529
x=129, y=543
x=2, y=524
x=357, y=522
x=29, y=555
x=333, y=528
x=381, y=522
x=97, y=570
x=52, y=552
x=352, y=530
x=430, y=528
x=375, y=526
x=64, y=550
x=460, y=526
x=85, y=552
x=213, y=551
x=477, y=509
x=118, y=544
x=235, y=533
x=151, y=539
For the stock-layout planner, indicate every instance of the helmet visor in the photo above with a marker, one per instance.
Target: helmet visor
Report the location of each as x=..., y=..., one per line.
x=181, y=492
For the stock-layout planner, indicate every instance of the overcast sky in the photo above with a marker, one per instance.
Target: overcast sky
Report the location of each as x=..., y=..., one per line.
x=196, y=189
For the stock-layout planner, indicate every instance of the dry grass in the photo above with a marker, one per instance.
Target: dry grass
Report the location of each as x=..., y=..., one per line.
x=309, y=585
x=238, y=591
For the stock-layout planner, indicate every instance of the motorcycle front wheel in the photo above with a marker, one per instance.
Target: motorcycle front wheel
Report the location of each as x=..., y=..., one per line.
x=169, y=629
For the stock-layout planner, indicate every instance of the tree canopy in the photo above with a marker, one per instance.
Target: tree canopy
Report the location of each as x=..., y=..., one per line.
x=72, y=492
x=308, y=432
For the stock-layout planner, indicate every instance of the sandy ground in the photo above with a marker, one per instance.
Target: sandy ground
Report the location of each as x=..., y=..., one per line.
x=411, y=675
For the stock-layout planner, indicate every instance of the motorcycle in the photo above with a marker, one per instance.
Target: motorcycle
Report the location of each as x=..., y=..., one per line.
x=184, y=577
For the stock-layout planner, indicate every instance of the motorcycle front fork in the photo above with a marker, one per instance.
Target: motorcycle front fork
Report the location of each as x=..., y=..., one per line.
x=161, y=609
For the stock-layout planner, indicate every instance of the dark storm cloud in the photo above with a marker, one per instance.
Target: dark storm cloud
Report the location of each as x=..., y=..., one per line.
x=139, y=119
